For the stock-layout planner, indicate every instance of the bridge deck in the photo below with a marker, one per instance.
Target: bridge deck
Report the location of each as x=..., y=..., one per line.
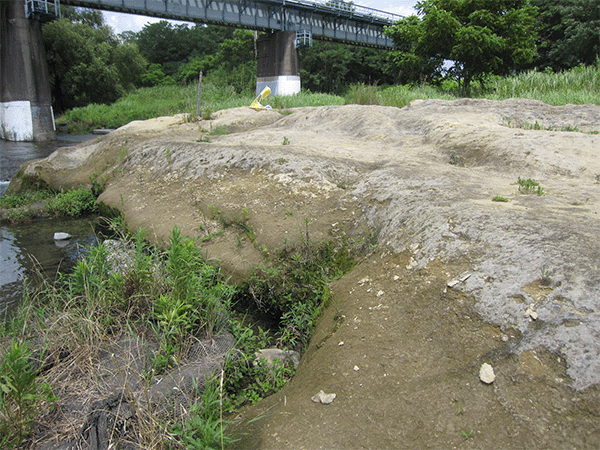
x=337, y=21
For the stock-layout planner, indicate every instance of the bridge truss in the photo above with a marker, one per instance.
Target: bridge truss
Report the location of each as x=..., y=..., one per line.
x=334, y=20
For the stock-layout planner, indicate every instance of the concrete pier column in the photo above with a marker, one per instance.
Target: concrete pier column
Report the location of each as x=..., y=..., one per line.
x=278, y=63
x=25, y=100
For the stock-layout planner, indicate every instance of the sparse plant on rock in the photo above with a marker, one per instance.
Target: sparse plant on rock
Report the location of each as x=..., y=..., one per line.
x=529, y=186
x=457, y=160
x=545, y=279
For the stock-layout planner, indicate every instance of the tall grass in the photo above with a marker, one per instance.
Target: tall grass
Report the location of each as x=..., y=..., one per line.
x=580, y=85
x=305, y=98
x=147, y=103
x=398, y=96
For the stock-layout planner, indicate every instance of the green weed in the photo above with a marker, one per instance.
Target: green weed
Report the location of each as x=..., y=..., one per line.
x=240, y=223
x=499, y=198
x=26, y=197
x=19, y=395
x=293, y=290
x=72, y=203
x=219, y=130
x=203, y=427
x=529, y=186
x=457, y=160
x=545, y=279
x=20, y=215
x=466, y=435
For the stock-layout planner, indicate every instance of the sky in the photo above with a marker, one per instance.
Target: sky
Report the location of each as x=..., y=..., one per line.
x=120, y=22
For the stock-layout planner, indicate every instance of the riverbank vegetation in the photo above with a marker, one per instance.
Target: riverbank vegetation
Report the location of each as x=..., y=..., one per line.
x=580, y=85
x=544, y=50
x=130, y=316
x=24, y=206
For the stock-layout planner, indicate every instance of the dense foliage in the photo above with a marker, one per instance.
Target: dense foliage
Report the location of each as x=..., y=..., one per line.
x=449, y=41
x=475, y=37
x=569, y=33
x=332, y=67
x=87, y=64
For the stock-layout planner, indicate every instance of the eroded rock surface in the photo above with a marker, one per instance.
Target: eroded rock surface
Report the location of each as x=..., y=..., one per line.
x=420, y=180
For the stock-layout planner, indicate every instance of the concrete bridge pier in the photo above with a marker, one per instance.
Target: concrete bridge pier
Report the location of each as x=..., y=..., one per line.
x=25, y=99
x=278, y=63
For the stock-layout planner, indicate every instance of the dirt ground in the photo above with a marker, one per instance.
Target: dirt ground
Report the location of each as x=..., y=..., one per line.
x=455, y=280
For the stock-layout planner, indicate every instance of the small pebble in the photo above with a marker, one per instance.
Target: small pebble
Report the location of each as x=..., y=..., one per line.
x=323, y=398
x=486, y=373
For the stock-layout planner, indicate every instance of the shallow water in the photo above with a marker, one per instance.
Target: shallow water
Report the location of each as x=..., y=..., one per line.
x=26, y=249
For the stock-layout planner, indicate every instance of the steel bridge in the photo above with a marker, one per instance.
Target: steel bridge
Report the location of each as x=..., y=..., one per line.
x=334, y=20
x=25, y=100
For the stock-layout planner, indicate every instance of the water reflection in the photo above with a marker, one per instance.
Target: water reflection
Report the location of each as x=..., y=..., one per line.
x=24, y=248
x=27, y=249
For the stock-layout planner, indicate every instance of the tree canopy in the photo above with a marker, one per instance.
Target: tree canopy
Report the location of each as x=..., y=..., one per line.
x=475, y=37
x=332, y=67
x=569, y=33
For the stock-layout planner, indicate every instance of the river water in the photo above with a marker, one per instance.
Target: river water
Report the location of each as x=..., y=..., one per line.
x=25, y=249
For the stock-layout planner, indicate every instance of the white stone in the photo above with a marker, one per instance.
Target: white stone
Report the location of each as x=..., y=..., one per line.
x=60, y=236
x=271, y=355
x=486, y=373
x=323, y=398
x=356, y=368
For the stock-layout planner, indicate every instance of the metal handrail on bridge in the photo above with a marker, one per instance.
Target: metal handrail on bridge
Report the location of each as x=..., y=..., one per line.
x=44, y=10
x=335, y=20
x=345, y=8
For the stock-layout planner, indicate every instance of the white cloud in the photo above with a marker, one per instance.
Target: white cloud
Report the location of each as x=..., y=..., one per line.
x=404, y=8
x=121, y=22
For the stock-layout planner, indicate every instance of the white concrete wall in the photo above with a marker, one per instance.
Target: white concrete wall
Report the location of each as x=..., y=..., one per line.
x=16, y=122
x=280, y=85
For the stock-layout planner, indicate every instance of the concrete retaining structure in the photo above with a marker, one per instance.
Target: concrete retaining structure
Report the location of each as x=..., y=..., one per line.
x=25, y=101
x=278, y=64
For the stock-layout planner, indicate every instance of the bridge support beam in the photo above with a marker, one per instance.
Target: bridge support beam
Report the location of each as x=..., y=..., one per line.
x=25, y=100
x=278, y=63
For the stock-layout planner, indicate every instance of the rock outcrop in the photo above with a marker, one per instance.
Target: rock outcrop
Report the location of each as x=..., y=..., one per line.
x=420, y=181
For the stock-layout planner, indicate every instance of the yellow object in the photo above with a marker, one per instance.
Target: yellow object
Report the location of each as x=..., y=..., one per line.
x=263, y=95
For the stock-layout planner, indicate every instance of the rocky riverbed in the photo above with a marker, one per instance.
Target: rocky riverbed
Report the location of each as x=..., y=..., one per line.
x=453, y=280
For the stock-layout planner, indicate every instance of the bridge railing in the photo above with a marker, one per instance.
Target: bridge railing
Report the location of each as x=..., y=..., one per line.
x=44, y=10
x=347, y=9
x=335, y=20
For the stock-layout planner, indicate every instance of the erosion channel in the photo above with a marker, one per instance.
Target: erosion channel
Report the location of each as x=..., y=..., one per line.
x=466, y=265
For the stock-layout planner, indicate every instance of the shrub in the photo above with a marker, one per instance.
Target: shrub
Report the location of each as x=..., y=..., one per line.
x=73, y=203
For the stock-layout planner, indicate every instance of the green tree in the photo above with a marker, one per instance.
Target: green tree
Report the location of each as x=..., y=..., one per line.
x=87, y=64
x=172, y=46
x=331, y=67
x=92, y=18
x=569, y=33
x=130, y=65
x=341, y=5
x=478, y=37
x=234, y=62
